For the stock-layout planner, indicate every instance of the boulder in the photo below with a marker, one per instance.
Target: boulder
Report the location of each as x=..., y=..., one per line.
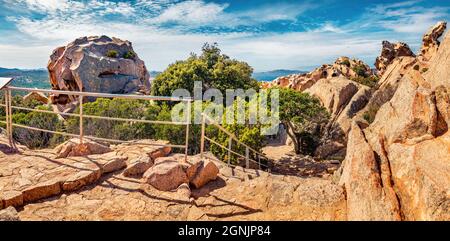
x=166, y=174
x=334, y=93
x=389, y=52
x=430, y=41
x=37, y=96
x=114, y=163
x=73, y=147
x=97, y=64
x=201, y=172
x=138, y=166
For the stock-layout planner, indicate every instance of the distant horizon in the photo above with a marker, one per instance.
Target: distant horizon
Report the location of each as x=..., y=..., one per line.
x=283, y=35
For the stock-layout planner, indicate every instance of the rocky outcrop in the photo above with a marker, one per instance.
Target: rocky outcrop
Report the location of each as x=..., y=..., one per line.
x=409, y=140
x=342, y=67
x=430, y=42
x=96, y=64
x=389, y=52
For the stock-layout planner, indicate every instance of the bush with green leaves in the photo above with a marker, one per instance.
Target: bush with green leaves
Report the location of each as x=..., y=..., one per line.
x=37, y=139
x=115, y=129
x=129, y=55
x=249, y=134
x=112, y=54
x=370, y=81
x=360, y=70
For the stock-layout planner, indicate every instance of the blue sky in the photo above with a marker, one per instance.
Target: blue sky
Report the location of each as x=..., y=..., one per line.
x=267, y=34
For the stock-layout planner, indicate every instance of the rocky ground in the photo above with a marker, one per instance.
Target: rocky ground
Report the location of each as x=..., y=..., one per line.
x=286, y=162
x=98, y=187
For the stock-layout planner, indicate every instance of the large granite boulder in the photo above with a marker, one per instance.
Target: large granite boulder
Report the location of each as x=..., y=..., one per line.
x=97, y=64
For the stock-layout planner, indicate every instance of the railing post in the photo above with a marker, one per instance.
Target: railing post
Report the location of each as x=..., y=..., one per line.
x=230, y=140
x=188, y=121
x=202, y=138
x=81, y=119
x=10, y=134
x=247, y=159
x=8, y=130
x=259, y=161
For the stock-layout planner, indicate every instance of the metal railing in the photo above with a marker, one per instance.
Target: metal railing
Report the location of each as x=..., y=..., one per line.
x=9, y=110
x=206, y=119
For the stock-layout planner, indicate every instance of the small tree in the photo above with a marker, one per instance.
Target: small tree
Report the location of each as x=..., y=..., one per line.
x=304, y=118
x=212, y=68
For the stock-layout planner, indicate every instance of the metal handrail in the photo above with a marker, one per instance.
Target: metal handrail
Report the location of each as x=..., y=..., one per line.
x=9, y=107
x=102, y=95
x=232, y=137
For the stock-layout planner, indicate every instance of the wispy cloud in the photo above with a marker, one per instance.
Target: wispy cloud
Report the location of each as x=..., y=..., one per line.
x=163, y=31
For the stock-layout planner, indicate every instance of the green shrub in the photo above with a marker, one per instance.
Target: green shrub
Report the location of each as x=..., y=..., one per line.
x=37, y=139
x=115, y=129
x=112, y=54
x=129, y=55
x=370, y=114
x=424, y=70
x=416, y=67
x=346, y=62
x=370, y=81
x=360, y=70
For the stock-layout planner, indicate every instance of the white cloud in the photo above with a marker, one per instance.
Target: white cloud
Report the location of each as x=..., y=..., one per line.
x=142, y=24
x=191, y=12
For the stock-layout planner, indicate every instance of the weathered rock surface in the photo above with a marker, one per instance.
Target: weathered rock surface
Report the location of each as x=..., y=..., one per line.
x=138, y=166
x=41, y=190
x=9, y=214
x=409, y=139
x=73, y=147
x=430, y=42
x=11, y=198
x=367, y=197
x=96, y=64
x=389, y=52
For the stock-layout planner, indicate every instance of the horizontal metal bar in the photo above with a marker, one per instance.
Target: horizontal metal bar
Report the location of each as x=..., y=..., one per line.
x=101, y=117
x=133, y=142
x=44, y=130
x=3, y=105
x=231, y=135
x=216, y=143
x=213, y=141
x=96, y=138
x=44, y=111
x=136, y=120
x=104, y=95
